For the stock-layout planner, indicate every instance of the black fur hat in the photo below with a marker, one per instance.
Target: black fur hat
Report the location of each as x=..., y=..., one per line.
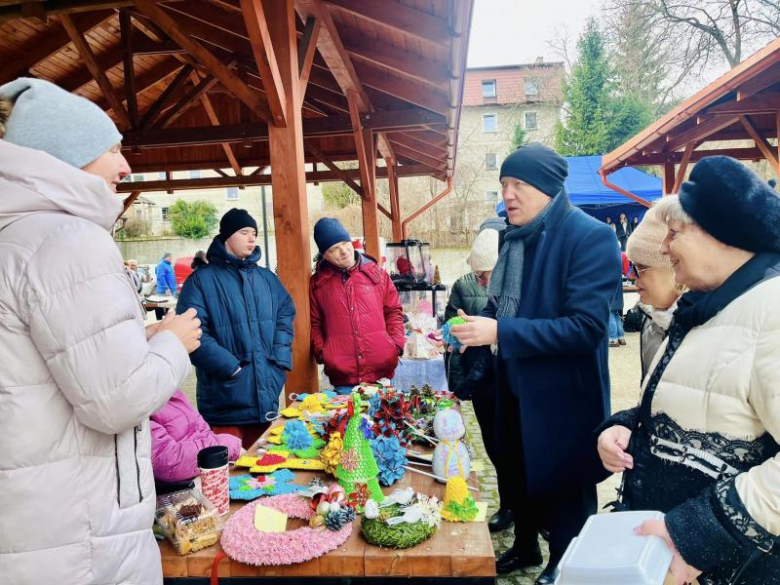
x=733, y=204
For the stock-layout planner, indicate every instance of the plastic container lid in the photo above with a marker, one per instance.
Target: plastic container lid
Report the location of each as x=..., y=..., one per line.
x=607, y=552
x=213, y=457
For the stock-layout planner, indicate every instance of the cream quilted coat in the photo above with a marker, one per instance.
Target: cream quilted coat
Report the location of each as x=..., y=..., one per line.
x=78, y=381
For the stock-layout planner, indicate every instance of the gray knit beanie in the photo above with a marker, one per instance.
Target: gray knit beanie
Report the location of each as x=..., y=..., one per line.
x=48, y=118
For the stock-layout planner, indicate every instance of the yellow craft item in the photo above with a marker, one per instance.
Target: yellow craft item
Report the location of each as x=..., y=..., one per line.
x=312, y=403
x=251, y=460
x=308, y=464
x=269, y=520
x=274, y=439
x=290, y=412
x=277, y=430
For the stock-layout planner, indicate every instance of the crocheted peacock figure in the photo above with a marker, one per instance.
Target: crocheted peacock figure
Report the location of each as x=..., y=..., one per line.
x=357, y=470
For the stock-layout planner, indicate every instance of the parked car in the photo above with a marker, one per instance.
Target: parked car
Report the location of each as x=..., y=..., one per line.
x=182, y=270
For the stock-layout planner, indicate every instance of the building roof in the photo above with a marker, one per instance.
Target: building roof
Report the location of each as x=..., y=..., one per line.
x=199, y=98
x=743, y=104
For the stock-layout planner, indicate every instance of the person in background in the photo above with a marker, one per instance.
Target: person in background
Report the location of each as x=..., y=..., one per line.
x=617, y=336
x=247, y=318
x=543, y=337
x=166, y=282
x=623, y=230
x=198, y=260
x=610, y=223
x=634, y=223
x=702, y=446
x=178, y=433
x=470, y=295
x=357, y=323
x=654, y=278
x=80, y=374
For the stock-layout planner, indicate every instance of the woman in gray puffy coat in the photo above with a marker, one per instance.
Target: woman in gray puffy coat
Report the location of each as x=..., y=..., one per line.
x=79, y=375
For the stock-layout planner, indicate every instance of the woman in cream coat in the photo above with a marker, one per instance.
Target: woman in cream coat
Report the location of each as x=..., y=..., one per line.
x=702, y=446
x=79, y=376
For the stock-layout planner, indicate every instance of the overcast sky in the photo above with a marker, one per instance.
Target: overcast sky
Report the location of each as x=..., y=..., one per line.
x=508, y=32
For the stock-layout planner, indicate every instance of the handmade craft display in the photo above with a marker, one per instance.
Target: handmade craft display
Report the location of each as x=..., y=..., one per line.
x=450, y=457
x=391, y=415
x=402, y=520
x=459, y=505
x=269, y=462
x=331, y=454
x=332, y=508
x=242, y=542
x=390, y=457
x=357, y=470
x=447, y=335
x=188, y=520
x=298, y=438
x=250, y=487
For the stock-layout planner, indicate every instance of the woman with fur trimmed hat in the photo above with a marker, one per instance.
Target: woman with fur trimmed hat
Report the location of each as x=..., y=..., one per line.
x=702, y=446
x=79, y=375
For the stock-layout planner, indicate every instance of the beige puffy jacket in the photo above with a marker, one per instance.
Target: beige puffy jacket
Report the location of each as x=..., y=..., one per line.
x=78, y=381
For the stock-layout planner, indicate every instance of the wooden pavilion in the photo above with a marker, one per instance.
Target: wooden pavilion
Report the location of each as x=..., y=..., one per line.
x=294, y=85
x=742, y=105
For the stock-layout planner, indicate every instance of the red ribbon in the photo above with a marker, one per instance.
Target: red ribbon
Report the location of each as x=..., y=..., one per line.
x=214, y=576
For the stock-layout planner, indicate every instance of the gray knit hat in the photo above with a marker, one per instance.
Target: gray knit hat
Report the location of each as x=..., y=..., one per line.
x=48, y=118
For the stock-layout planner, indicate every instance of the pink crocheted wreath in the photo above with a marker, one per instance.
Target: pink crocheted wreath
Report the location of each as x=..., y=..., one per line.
x=242, y=542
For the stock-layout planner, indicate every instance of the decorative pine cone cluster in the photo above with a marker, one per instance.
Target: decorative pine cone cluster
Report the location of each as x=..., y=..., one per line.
x=336, y=520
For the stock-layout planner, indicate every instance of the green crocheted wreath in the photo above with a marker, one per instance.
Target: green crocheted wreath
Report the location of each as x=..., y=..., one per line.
x=404, y=535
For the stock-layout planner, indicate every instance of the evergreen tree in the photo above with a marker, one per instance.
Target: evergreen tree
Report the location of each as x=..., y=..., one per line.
x=519, y=138
x=587, y=98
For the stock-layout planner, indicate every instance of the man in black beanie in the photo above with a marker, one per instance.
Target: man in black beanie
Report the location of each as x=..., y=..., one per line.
x=247, y=321
x=546, y=322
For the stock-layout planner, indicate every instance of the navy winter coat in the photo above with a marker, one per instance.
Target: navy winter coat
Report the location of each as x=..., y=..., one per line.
x=166, y=279
x=553, y=355
x=247, y=320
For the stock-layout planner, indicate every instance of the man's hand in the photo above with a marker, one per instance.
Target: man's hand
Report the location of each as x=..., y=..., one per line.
x=682, y=572
x=477, y=331
x=612, y=445
x=185, y=326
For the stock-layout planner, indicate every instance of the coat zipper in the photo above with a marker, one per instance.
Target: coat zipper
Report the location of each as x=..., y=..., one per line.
x=136, y=429
x=118, y=480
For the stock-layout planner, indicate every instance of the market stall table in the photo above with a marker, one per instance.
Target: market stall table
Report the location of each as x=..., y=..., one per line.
x=460, y=551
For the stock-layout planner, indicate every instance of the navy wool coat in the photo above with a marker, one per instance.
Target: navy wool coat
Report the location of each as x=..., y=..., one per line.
x=553, y=354
x=247, y=320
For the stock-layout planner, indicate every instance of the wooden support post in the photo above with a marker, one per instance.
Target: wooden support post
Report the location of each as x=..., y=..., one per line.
x=668, y=184
x=395, y=201
x=364, y=145
x=83, y=48
x=683, y=166
x=291, y=213
x=126, y=31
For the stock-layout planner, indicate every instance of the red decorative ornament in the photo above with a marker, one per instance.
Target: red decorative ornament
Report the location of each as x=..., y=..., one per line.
x=270, y=459
x=360, y=496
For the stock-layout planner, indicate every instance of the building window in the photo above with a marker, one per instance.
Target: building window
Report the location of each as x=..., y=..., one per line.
x=166, y=214
x=491, y=162
x=489, y=122
x=531, y=88
x=531, y=121
x=136, y=177
x=491, y=196
x=232, y=193
x=194, y=174
x=489, y=88
x=161, y=175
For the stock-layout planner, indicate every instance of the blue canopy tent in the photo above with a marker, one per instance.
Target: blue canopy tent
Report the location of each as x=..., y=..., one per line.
x=587, y=192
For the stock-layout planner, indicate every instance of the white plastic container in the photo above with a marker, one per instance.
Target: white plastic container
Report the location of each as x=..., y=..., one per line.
x=607, y=552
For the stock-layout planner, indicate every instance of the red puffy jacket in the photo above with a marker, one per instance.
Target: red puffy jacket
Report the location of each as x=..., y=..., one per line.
x=357, y=324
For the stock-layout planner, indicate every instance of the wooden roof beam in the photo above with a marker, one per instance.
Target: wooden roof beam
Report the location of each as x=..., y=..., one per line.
x=175, y=84
x=408, y=91
x=57, y=7
x=761, y=142
x=126, y=36
x=306, y=51
x=430, y=161
x=762, y=103
x=318, y=154
x=39, y=50
x=699, y=132
x=214, y=118
x=187, y=101
x=203, y=56
x=263, y=51
x=83, y=48
x=147, y=80
x=661, y=158
x=400, y=17
x=418, y=145
x=758, y=83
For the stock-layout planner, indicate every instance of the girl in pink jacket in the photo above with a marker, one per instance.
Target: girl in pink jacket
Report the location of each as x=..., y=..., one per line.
x=178, y=433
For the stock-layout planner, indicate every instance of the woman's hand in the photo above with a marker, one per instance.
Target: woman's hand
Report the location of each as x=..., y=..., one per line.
x=477, y=331
x=682, y=572
x=152, y=329
x=612, y=446
x=185, y=326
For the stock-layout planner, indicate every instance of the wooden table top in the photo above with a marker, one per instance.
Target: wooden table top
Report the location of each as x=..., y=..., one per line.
x=455, y=550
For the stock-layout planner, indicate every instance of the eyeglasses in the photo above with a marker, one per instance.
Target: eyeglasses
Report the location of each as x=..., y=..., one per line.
x=639, y=271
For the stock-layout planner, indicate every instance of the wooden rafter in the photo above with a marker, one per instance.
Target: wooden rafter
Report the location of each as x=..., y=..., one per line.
x=306, y=51
x=433, y=162
x=42, y=10
x=763, y=103
x=411, y=92
x=175, y=84
x=399, y=17
x=758, y=83
x=128, y=202
x=81, y=77
x=700, y=132
x=187, y=101
x=203, y=56
x=416, y=145
x=36, y=52
x=265, y=59
x=126, y=32
x=761, y=142
x=214, y=118
x=318, y=154
x=83, y=48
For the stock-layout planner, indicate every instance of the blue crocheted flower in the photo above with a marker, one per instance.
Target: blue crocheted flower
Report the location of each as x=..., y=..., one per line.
x=366, y=428
x=390, y=458
x=374, y=404
x=248, y=487
x=448, y=337
x=296, y=436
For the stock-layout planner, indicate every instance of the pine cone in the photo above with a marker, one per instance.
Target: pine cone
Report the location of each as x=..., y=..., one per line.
x=339, y=519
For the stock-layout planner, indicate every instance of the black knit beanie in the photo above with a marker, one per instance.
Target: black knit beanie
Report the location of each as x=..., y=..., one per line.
x=537, y=165
x=733, y=204
x=234, y=220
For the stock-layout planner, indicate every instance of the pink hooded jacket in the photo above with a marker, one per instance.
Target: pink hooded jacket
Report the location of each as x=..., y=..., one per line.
x=178, y=433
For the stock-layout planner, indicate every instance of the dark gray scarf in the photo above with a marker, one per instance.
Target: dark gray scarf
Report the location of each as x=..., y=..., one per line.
x=506, y=282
